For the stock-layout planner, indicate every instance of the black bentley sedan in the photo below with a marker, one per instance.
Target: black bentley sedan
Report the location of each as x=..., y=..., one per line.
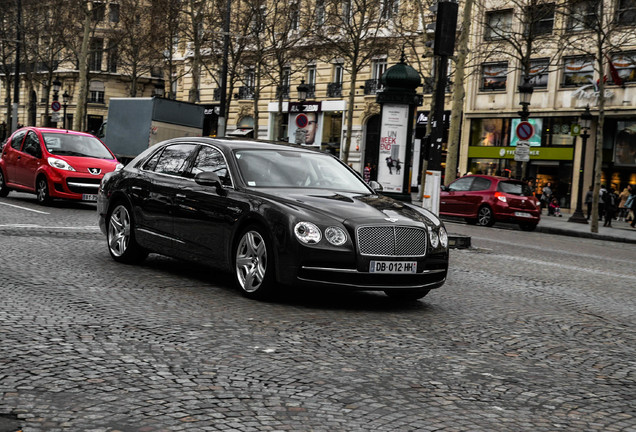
x=272, y=215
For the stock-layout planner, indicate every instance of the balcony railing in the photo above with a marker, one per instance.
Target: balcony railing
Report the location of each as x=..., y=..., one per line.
x=246, y=92
x=372, y=86
x=334, y=89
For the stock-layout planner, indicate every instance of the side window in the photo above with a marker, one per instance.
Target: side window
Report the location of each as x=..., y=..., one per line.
x=151, y=163
x=480, y=184
x=16, y=141
x=174, y=159
x=210, y=159
x=463, y=184
x=32, y=145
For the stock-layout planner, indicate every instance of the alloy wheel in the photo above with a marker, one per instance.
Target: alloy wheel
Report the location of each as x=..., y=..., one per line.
x=485, y=216
x=119, y=231
x=251, y=261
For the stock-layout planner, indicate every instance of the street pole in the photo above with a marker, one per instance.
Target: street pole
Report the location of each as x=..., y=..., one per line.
x=578, y=215
x=226, y=48
x=16, y=87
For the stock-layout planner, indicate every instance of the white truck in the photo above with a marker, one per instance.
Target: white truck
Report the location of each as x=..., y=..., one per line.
x=134, y=124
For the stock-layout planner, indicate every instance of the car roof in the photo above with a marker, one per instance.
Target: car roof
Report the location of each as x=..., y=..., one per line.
x=246, y=144
x=55, y=130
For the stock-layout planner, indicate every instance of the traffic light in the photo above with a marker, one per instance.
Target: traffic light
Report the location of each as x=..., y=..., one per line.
x=444, y=27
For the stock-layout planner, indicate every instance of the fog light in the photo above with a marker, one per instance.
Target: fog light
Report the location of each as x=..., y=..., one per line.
x=336, y=236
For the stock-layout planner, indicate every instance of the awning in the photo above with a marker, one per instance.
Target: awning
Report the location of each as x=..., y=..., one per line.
x=240, y=132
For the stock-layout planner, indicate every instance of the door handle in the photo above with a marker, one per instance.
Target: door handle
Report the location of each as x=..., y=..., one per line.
x=180, y=196
x=137, y=188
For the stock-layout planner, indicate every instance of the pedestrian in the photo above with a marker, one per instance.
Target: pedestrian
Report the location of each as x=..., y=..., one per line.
x=546, y=196
x=610, y=200
x=366, y=173
x=631, y=205
x=622, y=210
x=601, y=202
x=589, y=197
x=554, y=209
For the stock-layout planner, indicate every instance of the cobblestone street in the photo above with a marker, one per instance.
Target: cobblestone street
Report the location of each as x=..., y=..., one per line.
x=532, y=332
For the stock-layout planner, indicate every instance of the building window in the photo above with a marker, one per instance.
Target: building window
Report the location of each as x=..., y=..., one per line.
x=379, y=67
x=113, y=57
x=494, y=76
x=295, y=16
x=95, y=55
x=539, y=73
x=113, y=15
x=311, y=81
x=626, y=12
x=583, y=15
x=96, y=92
x=390, y=8
x=540, y=18
x=578, y=71
x=320, y=12
x=98, y=11
x=338, y=72
x=623, y=67
x=498, y=24
x=346, y=11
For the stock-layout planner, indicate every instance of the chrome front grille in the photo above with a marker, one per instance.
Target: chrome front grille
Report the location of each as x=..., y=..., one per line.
x=389, y=240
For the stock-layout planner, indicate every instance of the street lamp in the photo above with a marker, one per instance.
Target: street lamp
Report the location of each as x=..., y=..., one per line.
x=525, y=94
x=65, y=99
x=159, y=90
x=585, y=121
x=303, y=90
x=57, y=85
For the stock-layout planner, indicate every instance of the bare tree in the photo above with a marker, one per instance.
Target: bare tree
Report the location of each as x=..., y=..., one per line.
x=8, y=45
x=355, y=32
x=596, y=30
x=167, y=29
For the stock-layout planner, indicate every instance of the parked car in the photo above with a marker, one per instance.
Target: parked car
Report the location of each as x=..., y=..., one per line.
x=272, y=215
x=484, y=200
x=54, y=163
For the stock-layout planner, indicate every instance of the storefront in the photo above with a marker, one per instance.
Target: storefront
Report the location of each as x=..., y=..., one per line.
x=492, y=149
x=619, y=152
x=316, y=124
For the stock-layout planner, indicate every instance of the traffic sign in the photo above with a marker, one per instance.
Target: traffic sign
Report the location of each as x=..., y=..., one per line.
x=525, y=130
x=302, y=120
x=55, y=106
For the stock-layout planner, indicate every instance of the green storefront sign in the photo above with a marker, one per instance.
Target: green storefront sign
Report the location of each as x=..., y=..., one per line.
x=536, y=153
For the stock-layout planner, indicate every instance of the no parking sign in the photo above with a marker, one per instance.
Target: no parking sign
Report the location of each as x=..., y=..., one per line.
x=525, y=130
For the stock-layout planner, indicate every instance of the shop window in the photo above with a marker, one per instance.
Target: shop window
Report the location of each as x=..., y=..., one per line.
x=583, y=15
x=494, y=76
x=490, y=132
x=578, y=71
x=625, y=146
x=498, y=24
x=558, y=131
x=624, y=67
x=539, y=73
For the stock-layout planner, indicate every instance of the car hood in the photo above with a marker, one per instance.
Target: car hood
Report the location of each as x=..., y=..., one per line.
x=352, y=207
x=82, y=164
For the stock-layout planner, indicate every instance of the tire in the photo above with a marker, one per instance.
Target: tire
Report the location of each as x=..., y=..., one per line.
x=253, y=263
x=485, y=216
x=527, y=226
x=4, y=190
x=120, y=236
x=42, y=191
x=407, y=294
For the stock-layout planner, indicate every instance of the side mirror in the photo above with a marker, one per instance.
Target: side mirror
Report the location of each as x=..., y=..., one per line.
x=208, y=178
x=445, y=188
x=377, y=187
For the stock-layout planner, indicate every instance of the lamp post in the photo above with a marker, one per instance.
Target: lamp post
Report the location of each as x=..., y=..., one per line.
x=585, y=121
x=57, y=85
x=303, y=90
x=65, y=100
x=525, y=94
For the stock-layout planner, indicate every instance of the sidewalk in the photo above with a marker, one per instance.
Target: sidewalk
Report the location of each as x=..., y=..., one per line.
x=618, y=232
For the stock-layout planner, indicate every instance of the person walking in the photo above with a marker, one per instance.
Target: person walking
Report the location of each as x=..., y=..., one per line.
x=601, y=202
x=631, y=206
x=546, y=196
x=589, y=196
x=622, y=210
x=610, y=200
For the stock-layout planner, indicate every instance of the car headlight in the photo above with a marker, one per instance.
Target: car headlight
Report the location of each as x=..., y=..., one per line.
x=336, y=236
x=307, y=232
x=60, y=164
x=443, y=237
x=434, y=237
x=119, y=167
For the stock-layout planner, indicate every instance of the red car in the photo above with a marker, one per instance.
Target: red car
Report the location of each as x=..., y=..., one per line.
x=483, y=200
x=54, y=163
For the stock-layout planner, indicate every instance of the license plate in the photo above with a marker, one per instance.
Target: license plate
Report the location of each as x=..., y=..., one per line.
x=89, y=197
x=523, y=214
x=393, y=267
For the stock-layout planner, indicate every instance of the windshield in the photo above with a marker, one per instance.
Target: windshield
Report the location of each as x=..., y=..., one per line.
x=296, y=169
x=515, y=188
x=75, y=145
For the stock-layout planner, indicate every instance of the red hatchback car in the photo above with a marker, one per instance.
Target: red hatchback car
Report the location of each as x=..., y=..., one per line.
x=54, y=163
x=483, y=200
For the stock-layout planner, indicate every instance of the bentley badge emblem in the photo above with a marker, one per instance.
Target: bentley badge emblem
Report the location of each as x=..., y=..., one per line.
x=391, y=219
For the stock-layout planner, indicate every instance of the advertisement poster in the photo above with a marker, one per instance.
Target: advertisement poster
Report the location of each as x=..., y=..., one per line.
x=393, y=133
x=304, y=124
x=625, y=146
x=535, y=140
